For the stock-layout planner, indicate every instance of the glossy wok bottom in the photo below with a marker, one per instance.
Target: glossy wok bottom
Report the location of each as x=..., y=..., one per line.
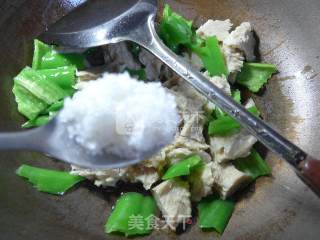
x=280, y=207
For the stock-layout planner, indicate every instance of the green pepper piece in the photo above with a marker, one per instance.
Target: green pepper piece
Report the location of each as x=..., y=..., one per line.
x=28, y=104
x=212, y=57
x=46, y=57
x=214, y=213
x=225, y=125
x=54, y=107
x=40, y=49
x=53, y=59
x=236, y=95
x=174, y=30
x=255, y=75
x=253, y=165
x=40, y=86
x=130, y=215
x=183, y=167
x=37, y=122
x=49, y=181
x=64, y=77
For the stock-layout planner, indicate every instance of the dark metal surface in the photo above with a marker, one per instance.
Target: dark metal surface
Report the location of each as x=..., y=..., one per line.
x=280, y=207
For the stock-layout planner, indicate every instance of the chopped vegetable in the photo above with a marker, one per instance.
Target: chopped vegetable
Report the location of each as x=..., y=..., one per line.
x=46, y=57
x=140, y=73
x=28, y=105
x=236, y=95
x=40, y=49
x=132, y=215
x=40, y=91
x=37, y=84
x=37, y=122
x=212, y=57
x=225, y=125
x=55, y=107
x=53, y=59
x=49, y=181
x=255, y=75
x=183, y=167
x=174, y=29
x=214, y=213
x=45, y=116
x=64, y=77
x=253, y=165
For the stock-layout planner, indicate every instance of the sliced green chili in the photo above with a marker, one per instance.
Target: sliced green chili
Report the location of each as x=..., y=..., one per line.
x=28, y=105
x=183, y=167
x=131, y=215
x=212, y=57
x=225, y=125
x=49, y=181
x=214, y=213
x=253, y=165
x=64, y=77
x=46, y=57
x=174, y=29
x=40, y=86
x=255, y=75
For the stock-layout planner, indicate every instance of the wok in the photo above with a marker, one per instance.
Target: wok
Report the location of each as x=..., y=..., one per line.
x=280, y=207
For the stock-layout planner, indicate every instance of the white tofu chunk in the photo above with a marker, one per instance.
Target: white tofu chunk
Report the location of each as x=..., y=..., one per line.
x=201, y=182
x=238, y=145
x=104, y=178
x=228, y=179
x=152, y=64
x=193, y=127
x=109, y=178
x=220, y=82
x=206, y=157
x=194, y=146
x=156, y=161
x=193, y=60
x=146, y=175
x=173, y=200
x=242, y=39
x=189, y=100
x=234, y=59
x=177, y=154
x=237, y=46
x=226, y=148
x=217, y=28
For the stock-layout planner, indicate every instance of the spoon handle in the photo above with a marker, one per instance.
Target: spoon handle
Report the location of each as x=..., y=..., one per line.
x=310, y=172
x=258, y=128
x=24, y=140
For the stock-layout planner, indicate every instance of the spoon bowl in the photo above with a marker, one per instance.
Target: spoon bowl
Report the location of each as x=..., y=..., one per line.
x=100, y=22
x=53, y=140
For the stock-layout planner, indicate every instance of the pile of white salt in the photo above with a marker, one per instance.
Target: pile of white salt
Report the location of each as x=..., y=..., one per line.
x=118, y=115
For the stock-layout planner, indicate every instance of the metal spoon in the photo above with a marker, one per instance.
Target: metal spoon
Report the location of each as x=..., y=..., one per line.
x=52, y=139
x=101, y=22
